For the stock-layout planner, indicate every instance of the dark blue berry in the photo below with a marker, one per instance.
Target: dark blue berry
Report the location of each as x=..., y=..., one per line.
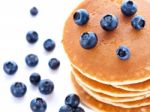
x=38, y=105
x=31, y=60
x=123, y=52
x=66, y=108
x=79, y=109
x=35, y=78
x=33, y=11
x=46, y=86
x=18, y=89
x=49, y=45
x=128, y=8
x=54, y=63
x=88, y=40
x=109, y=22
x=10, y=67
x=72, y=100
x=32, y=37
x=81, y=17
x=138, y=22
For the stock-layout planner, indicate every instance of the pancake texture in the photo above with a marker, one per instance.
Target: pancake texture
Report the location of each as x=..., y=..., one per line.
x=143, y=86
x=116, y=101
x=106, y=89
x=100, y=106
x=101, y=62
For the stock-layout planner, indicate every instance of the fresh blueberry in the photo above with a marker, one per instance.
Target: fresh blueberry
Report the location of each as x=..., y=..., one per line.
x=138, y=22
x=81, y=17
x=31, y=60
x=18, y=89
x=49, y=45
x=46, y=86
x=72, y=100
x=123, y=52
x=128, y=8
x=66, y=108
x=32, y=37
x=10, y=67
x=79, y=109
x=88, y=40
x=35, y=78
x=109, y=22
x=33, y=11
x=38, y=105
x=54, y=63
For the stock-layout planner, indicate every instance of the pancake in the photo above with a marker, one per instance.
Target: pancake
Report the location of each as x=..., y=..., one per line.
x=101, y=63
x=116, y=101
x=143, y=86
x=98, y=106
x=107, y=89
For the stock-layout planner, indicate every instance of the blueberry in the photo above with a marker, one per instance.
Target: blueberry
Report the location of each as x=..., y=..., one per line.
x=109, y=22
x=10, y=67
x=72, y=100
x=81, y=17
x=32, y=37
x=128, y=8
x=18, y=89
x=138, y=22
x=33, y=11
x=49, y=45
x=35, y=78
x=46, y=86
x=31, y=60
x=54, y=63
x=123, y=52
x=66, y=108
x=88, y=40
x=38, y=105
x=79, y=109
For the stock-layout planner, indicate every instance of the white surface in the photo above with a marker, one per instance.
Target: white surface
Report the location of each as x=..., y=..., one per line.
x=15, y=22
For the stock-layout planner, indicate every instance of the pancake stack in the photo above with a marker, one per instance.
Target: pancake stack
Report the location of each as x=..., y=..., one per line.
x=104, y=82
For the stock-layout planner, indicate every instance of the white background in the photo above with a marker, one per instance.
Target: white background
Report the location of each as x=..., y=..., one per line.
x=15, y=22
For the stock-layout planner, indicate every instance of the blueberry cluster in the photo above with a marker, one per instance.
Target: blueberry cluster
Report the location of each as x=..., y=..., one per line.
x=46, y=86
x=71, y=104
x=109, y=22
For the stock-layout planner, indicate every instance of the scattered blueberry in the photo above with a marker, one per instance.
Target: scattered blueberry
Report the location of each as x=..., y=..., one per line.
x=35, y=78
x=138, y=22
x=128, y=8
x=79, y=109
x=81, y=17
x=72, y=100
x=31, y=60
x=88, y=40
x=54, y=63
x=46, y=86
x=18, y=89
x=123, y=52
x=109, y=22
x=49, y=45
x=38, y=105
x=10, y=67
x=66, y=108
x=32, y=37
x=33, y=11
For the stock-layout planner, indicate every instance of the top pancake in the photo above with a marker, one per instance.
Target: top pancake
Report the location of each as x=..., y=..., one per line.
x=101, y=62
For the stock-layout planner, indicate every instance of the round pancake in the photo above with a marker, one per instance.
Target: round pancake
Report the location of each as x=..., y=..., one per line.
x=101, y=62
x=106, y=89
x=98, y=106
x=113, y=101
x=143, y=86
